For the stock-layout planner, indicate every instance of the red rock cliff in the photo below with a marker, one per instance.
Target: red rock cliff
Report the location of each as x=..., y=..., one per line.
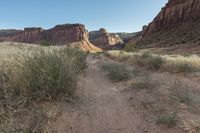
x=28, y=35
x=67, y=34
x=175, y=12
x=60, y=34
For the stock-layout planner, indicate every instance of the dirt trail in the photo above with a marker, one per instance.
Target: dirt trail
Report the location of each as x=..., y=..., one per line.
x=103, y=108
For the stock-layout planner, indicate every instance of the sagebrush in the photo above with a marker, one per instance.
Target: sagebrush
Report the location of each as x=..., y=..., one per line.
x=117, y=71
x=37, y=74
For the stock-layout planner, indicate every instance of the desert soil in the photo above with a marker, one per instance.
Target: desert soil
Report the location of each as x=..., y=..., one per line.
x=103, y=108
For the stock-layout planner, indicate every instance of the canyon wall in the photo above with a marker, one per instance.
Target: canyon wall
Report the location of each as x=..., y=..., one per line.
x=174, y=13
x=177, y=26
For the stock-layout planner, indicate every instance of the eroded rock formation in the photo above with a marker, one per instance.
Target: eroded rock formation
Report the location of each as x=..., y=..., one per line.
x=103, y=39
x=67, y=34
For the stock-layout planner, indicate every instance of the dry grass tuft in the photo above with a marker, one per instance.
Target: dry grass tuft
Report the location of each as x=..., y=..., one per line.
x=171, y=119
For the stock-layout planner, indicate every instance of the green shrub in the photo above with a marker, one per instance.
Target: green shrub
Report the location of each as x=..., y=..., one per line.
x=146, y=55
x=181, y=92
x=149, y=61
x=155, y=62
x=131, y=48
x=116, y=71
x=183, y=67
x=170, y=120
x=145, y=83
x=43, y=74
x=45, y=43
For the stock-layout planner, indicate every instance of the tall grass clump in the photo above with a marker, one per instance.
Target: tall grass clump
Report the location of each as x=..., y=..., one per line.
x=181, y=92
x=148, y=61
x=145, y=83
x=117, y=71
x=180, y=67
x=43, y=73
x=171, y=120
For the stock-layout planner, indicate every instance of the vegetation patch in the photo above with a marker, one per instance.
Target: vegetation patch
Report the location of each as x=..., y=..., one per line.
x=117, y=71
x=181, y=92
x=45, y=43
x=37, y=75
x=171, y=120
x=145, y=83
x=148, y=61
x=180, y=67
x=131, y=48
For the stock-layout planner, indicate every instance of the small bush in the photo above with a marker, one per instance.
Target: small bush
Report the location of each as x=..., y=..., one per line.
x=155, y=63
x=131, y=48
x=181, y=92
x=146, y=55
x=170, y=120
x=183, y=67
x=117, y=71
x=45, y=43
x=149, y=61
x=146, y=83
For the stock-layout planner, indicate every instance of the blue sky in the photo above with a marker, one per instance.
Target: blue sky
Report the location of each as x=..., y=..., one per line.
x=114, y=15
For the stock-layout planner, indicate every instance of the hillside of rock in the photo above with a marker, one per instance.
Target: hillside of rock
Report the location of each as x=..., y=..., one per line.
x=177, y=24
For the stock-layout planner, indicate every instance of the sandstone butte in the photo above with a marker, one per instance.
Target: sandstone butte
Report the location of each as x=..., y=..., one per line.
x=74, y=35
x=104, y=40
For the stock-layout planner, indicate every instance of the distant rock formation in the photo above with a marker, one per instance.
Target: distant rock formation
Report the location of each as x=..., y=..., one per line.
x=103, y=39
x=67, y=34
x=28, y=35
x=7, y=33
x=126, y=36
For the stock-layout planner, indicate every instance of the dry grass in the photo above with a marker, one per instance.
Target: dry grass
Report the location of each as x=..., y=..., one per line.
x=145, y=83
x=36, y=75
x=170, y=63
x=192, y=126
x=117, y=71
x=170, y=119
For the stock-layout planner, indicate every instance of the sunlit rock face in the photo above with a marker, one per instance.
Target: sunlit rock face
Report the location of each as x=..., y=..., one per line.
x=103, y=39
x=67, y=34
